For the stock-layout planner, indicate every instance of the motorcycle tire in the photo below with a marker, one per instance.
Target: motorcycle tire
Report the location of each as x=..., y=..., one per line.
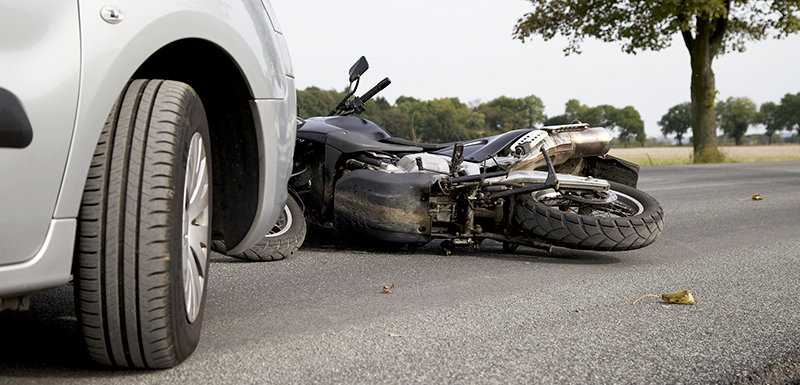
x=283, y=240
x=633, y=221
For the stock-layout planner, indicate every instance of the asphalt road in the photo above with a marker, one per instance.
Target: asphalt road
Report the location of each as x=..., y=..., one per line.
x=485, y=316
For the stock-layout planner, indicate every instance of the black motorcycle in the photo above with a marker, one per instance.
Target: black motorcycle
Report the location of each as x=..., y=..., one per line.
x=551, y=186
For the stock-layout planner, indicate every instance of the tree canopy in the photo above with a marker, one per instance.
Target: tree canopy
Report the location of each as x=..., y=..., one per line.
x=678, y=121
x=736, y=115
x=504, y=113
x=448, y=119
x=625, y=120
x=708, y=28
x=789, y=112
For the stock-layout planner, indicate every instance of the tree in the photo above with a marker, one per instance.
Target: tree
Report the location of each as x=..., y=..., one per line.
x=501, y=118
x=768, y=114
x=505, y=114
x=735, y=117
x=626, y=120
x=314, y=101
x=438, y=120
x=629, y=123
x=678, y=120
x=789, y=112
x=709, y=28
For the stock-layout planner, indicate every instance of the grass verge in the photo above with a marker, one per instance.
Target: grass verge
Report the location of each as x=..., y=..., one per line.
x=684, y=160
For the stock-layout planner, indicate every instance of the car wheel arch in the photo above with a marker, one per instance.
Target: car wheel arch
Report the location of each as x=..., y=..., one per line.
x=226, y=96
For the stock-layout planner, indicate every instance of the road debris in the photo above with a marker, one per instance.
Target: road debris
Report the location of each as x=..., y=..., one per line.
x=680, y=297
x=388, y=289
x=756, y=197
x=683, y=297
x=395, y=335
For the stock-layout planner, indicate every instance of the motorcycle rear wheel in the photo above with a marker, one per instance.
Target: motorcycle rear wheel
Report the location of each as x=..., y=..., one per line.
x=632, y=221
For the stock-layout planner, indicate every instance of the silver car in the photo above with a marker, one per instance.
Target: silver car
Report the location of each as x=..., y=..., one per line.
x=119, y=122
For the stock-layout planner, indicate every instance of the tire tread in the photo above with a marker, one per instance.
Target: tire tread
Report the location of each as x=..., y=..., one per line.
x=123, y=245
x=589, y=233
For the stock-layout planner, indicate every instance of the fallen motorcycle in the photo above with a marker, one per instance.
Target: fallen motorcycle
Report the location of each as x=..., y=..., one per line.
x=551, y=186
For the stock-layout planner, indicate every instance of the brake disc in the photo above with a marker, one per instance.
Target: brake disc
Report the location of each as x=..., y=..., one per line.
x=592, y=198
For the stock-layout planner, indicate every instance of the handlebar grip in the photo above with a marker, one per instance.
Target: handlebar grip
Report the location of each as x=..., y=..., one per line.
x=374, y=90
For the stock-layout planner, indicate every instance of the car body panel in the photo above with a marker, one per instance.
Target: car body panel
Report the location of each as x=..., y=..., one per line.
x=271, y=132
x=48, y=268
x=112, y=54
x=40, y=66
x=42, y=184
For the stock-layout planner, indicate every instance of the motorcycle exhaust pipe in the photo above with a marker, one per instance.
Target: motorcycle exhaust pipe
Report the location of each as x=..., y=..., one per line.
x=561, y=147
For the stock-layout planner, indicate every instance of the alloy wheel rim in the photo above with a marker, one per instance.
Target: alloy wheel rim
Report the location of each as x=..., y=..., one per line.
x=195, y=227
x=283, y=224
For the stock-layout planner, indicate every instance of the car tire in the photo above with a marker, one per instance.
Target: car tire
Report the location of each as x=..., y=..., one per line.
x=141, y=258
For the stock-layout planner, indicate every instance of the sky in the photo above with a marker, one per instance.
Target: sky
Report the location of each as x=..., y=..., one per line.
x=439, y=49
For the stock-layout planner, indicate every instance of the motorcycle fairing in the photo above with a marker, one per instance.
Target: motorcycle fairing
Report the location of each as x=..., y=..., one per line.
x=389, y=207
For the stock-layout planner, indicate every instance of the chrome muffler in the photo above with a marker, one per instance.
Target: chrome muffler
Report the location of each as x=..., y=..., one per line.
x=562, y=144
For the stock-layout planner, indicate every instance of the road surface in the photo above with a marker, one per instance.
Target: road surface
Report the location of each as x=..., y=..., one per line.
x=484, y=316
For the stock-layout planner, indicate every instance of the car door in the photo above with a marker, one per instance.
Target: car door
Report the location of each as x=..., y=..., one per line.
x=39, y=76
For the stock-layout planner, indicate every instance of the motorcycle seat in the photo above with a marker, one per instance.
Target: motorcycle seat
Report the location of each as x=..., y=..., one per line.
x=425, y=146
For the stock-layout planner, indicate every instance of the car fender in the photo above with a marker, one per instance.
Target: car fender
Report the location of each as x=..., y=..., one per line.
x=112, y=52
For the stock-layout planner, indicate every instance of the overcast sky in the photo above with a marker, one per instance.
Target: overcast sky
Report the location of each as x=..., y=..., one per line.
x=436, y=49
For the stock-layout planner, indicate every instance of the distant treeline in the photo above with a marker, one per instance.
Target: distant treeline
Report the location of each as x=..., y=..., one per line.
x=736, y=115
x=448, y=119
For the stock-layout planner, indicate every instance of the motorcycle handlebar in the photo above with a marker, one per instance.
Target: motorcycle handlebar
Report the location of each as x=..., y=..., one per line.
x=374, y=90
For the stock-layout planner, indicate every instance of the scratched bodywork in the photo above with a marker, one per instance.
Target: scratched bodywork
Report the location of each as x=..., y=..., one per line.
x=388, y=207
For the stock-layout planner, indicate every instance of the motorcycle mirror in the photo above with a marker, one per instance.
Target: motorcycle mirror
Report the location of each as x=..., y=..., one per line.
x=358, y=69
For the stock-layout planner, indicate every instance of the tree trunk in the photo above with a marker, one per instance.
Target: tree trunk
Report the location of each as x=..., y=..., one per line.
x=702, y=49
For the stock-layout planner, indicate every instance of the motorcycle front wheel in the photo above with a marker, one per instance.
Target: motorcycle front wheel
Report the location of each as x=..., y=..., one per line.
x=283, y=240
x=623, y=218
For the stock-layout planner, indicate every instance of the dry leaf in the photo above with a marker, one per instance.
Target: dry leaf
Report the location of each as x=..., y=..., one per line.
x=388, y=289
x=756, y=197
x=681, y=297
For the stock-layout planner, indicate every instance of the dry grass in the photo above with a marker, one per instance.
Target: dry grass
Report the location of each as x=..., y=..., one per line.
x=661, y=156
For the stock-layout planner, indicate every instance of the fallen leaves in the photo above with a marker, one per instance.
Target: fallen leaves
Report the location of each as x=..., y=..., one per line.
x=755, y=197
x=388, y=289
x=683, y=297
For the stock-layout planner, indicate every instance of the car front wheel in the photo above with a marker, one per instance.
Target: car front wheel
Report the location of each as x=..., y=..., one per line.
x=141, y=264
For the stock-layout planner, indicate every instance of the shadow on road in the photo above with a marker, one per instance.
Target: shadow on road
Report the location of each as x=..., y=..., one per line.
x=45, y=341
x=328, y=240
x=46, y=337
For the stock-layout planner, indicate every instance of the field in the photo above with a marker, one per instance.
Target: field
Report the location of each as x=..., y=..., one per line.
x=658, y=156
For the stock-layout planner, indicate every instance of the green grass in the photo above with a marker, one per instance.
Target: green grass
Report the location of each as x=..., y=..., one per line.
x=684, y=160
